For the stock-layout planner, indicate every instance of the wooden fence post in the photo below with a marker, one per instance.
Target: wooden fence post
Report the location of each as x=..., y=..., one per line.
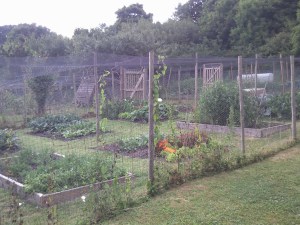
x=179, y=81
x=144, y=84
x=25, y=98
x=122, y=82
x=255, y=71
x=151, y=119
x=240, y=71
x=96, y=79
x=293, y=100
x=281, y=73
x=196, y=82
x=113, y=84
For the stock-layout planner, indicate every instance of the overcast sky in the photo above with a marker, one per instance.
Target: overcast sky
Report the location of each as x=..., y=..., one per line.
x=64, y=16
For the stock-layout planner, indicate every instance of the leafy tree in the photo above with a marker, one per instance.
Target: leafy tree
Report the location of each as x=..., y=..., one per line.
x=135, y=39
x=16, y=43
x=31, y=40
x=49, y=45
x=96, y=39
x=216, y=23
x=296, y=33
x=190, y=10
x=4, y=30
x=177, y=37
x=258, y=21
x=132, y=13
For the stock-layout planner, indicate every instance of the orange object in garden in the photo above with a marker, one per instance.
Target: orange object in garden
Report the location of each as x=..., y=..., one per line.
x=162, y=144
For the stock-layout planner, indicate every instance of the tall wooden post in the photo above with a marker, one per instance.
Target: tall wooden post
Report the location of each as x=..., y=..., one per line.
x=179, y=81
x=255, y=71
x=122, y=82
x=144, y=84
x=281, y=73
x=196, y=82
x=151, y=119
x=293, y=100
x=113, y=84
x=25, y=98
x=231, y=72
x=287, y=69
x=96, y=79
x=168, y=84
x=240, y=68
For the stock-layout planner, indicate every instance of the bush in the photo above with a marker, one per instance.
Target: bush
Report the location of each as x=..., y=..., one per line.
x=280, y=106
x=40, y=87
x=8, y=140
x=216, y=101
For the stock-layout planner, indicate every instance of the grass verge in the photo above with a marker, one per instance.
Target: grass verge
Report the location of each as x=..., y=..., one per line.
x=262, y=193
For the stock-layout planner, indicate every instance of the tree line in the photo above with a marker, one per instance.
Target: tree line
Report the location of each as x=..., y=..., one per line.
x=209, y=27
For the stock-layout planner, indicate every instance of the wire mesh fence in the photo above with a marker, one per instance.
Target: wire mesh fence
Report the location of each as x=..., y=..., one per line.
x=96, y=105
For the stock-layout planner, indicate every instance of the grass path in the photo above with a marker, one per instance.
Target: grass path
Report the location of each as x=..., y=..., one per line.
x=263, y=193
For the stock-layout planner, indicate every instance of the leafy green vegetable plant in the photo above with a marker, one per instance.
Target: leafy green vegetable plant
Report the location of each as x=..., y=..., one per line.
x=133, y=143
x=35, y=169
x=67, y=126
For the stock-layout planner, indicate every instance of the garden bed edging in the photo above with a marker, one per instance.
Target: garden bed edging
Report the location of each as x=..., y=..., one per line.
x=249, y=132
x=56, y=197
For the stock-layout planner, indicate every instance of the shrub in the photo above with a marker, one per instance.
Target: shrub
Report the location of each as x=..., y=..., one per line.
x=280, y=106
x=216, y=101
x=40, y=87
x=8, y=140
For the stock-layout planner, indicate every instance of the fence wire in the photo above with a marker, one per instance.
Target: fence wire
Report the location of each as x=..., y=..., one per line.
x=37, y=94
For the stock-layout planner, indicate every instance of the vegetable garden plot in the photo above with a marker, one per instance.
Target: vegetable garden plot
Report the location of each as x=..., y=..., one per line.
x=67, y=126
x=49, y=178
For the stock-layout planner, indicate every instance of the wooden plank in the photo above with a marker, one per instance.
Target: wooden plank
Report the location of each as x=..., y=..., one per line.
x=137, y=85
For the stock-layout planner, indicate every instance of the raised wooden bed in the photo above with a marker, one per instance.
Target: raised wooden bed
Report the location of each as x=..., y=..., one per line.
x=56, y=197
x=249, y=132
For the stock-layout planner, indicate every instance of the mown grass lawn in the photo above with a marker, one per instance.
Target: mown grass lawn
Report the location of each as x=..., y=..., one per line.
x=263, y=193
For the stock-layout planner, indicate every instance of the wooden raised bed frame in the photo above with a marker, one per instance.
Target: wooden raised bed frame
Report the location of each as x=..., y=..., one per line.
x=56, y=197
x=249, y=132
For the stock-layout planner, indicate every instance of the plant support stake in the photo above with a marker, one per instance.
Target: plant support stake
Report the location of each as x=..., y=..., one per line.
x=240, y=68
x=151, y=119
x=293, y=100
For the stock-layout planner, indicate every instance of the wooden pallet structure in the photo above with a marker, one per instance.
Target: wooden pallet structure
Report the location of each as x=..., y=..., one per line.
x=85, y=92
